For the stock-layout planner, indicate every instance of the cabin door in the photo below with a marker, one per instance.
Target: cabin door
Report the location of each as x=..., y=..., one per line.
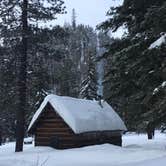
x=55, y=142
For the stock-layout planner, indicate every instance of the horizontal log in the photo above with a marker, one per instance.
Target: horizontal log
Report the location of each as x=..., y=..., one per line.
x=50, y=113
x=68, y=144
x=61, y=139
x=49, y=117
x=61, y=136
x=42, y=137
x=61, y=144
x=65, y=137
x=42, y=144
x=52, y=120
x=40, y=128
x=54, y=133
x=51, y=125
x=48, y=134
x=48, y=140
x=68, y=139
x=45, y=130
x=54, y=130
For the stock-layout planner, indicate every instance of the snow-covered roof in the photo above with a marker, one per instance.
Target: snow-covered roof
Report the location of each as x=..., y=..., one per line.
x=82, y=115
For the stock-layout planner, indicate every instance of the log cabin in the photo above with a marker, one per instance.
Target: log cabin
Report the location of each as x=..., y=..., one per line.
x=66, y=122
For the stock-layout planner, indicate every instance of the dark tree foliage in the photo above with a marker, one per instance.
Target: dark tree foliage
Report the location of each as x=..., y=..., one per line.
x=89, y=84
x=134, y=70
x=16, y=18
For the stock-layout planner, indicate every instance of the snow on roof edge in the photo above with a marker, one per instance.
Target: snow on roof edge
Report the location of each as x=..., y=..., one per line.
x=74, y=121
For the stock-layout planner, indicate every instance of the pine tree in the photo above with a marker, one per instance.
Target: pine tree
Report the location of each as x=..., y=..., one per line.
x=89, y=84
x=20, y=15
x=133, y=70
x=7, y=92
x=79, y=42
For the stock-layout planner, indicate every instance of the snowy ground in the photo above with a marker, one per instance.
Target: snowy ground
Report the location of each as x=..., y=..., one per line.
x=137, y=151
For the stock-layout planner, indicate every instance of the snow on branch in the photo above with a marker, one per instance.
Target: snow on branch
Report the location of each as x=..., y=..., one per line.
x=158, y=42
x=156, y=90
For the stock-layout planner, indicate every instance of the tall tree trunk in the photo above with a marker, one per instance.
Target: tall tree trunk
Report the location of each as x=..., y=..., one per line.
x=150, y=130
x=22, y=82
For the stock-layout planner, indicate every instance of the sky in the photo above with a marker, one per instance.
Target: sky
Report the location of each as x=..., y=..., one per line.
x=88, y=12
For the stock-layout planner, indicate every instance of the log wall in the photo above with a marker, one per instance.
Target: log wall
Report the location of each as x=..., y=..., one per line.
x=51, y=130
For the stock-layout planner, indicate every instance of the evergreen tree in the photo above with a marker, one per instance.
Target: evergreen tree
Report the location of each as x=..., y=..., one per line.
x=134, y=70
x=81, y=40
x=15, y=15
x=7, y=93
x=89, y=84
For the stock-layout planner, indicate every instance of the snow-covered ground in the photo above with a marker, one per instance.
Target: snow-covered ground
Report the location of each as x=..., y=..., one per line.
x=136, y=150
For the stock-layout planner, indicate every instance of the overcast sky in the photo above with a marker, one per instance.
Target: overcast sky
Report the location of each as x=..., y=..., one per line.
x=88, y=12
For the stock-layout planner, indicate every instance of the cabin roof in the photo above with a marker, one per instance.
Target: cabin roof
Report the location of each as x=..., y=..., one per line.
x=82, y=115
